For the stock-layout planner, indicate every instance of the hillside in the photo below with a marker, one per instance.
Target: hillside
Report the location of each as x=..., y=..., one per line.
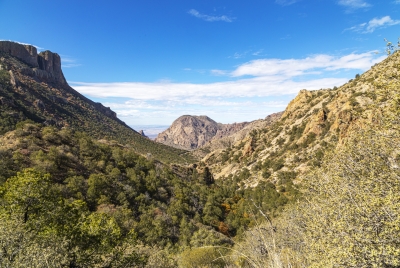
x=219, y=143
x=32, y=86
x=312, y=123
x=190, y=132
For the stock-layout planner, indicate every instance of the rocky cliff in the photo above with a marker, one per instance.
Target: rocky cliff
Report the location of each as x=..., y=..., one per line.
x=190, y=132
x=45, y=66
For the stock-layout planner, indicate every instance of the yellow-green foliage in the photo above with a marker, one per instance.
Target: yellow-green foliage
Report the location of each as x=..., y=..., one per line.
x=353, y=215
x=205, y=257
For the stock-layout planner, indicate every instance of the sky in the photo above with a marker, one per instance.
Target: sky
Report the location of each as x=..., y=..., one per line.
x=152, y=61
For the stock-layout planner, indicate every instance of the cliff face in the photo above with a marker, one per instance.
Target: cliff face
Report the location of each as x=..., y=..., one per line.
x=191, y=132
x=45, y=66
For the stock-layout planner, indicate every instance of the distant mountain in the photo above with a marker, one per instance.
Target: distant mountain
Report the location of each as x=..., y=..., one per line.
x=222, y=142
x=190, y=132
x=32, y=86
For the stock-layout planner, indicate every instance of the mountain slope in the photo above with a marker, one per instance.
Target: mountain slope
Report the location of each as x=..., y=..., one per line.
x=32, y=86
x=218, y=143
x=312, y=123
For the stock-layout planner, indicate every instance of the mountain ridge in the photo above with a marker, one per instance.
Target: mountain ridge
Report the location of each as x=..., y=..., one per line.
x=313, y=123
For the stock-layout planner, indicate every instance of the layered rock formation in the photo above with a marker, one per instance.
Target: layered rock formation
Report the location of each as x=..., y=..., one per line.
x=190, y=132
x=46, y=66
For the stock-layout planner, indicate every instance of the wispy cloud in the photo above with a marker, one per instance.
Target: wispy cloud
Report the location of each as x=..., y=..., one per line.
x=396, y=2
x=286, y=2
x=218, y=72
x=210, y=18
x=352, y=5
x=68, y=62
x=374, y=24
x=238, y=55
x=296, y=67
x=244, y=54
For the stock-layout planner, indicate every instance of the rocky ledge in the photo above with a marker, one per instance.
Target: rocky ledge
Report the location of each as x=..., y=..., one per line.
x=45, y=66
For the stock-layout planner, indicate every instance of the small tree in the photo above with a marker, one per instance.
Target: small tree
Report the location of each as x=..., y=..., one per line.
x=207, y=176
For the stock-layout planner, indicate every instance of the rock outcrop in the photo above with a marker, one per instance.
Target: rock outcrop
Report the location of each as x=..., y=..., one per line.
x=43, y=67
x=50, y=63
x=25, y=53
x=141, y=132
x=46, y=66
x=191, y=132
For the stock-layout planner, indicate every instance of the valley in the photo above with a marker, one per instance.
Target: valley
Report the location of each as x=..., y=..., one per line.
x=80, y=188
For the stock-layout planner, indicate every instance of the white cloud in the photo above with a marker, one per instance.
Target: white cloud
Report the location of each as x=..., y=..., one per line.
x=372, y=25
x=295, y=67
x=218, y=72
x=354, y=4
x=271, y=77
x=247, y=95
x=68, y=62
x=221, y=110
x=196, y=93
x=286, y=2
x=205, y=17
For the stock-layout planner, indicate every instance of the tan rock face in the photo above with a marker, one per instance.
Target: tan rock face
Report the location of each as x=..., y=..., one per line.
x=190, y=132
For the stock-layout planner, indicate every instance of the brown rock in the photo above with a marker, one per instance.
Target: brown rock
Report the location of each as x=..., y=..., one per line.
x=190, y=132
x=51, y=63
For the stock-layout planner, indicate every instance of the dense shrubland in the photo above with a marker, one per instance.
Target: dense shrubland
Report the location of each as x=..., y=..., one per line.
x=72, y=201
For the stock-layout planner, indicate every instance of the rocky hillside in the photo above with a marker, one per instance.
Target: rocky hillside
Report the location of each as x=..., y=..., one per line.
x=312, y=123
x=190, y=132
x=32, y=86
x=223, y=142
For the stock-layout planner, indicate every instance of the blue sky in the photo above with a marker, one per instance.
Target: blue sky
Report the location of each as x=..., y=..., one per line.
x=153, y=61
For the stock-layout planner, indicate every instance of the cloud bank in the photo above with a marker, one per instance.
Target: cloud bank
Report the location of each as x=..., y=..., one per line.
x=251, y=91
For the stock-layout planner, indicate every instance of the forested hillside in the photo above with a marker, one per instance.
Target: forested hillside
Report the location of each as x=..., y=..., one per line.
x=77, y=202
